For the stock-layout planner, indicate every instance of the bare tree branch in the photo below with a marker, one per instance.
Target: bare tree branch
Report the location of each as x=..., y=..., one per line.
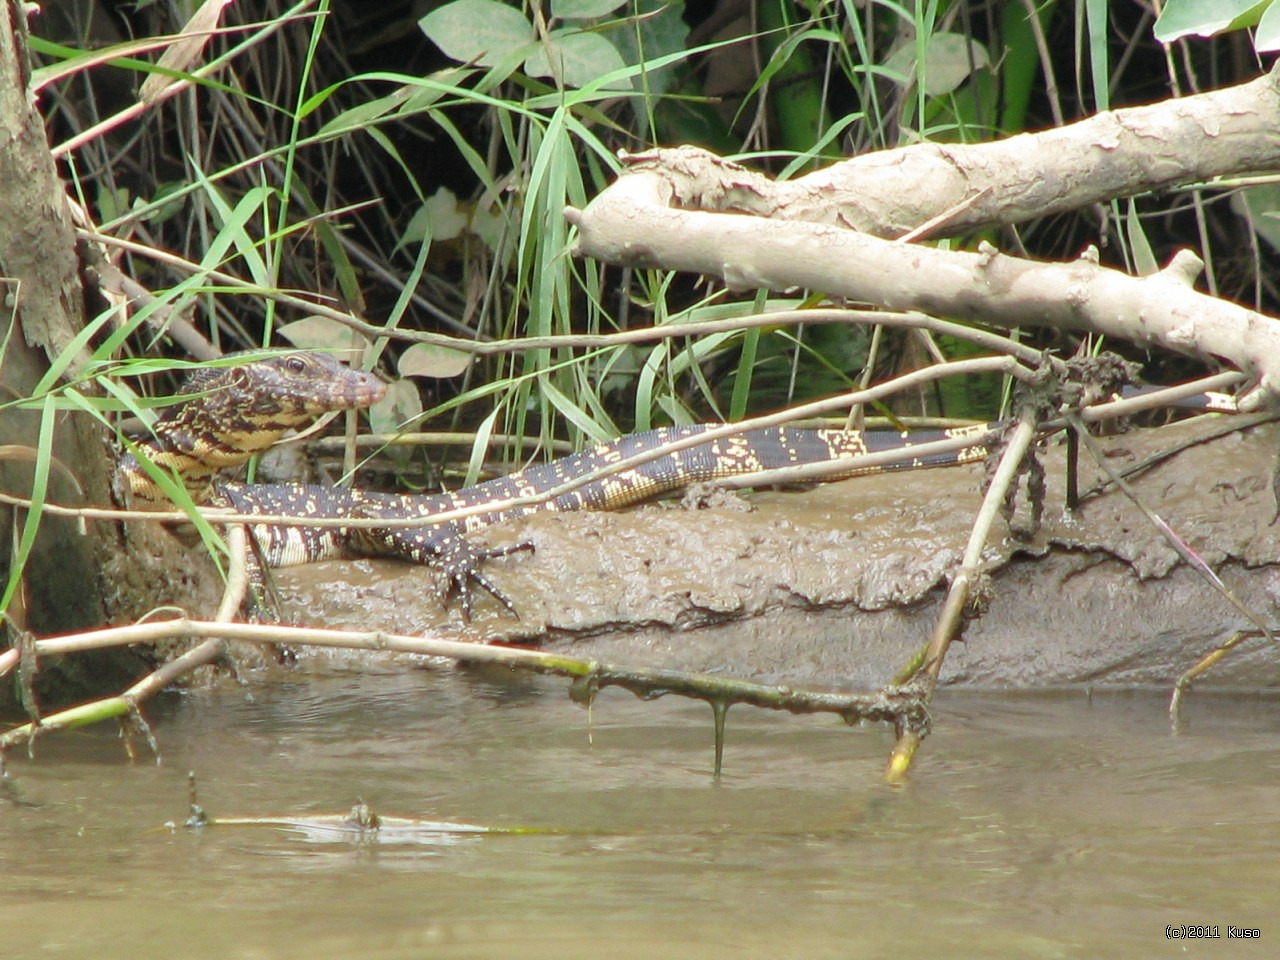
x=666, y=213
x=1117, y=153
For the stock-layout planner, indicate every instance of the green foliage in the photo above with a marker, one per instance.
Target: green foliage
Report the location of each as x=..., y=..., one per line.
x=1205, y=18
x=431, y=197
x=585, y=48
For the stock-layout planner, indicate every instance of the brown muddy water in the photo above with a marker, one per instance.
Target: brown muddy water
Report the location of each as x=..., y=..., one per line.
x=1046, y=825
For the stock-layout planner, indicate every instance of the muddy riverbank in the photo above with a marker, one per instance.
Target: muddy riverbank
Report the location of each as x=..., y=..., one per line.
x=839, y=584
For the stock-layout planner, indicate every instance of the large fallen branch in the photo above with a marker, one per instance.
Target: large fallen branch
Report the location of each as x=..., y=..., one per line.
x=683, y=209
x=636, y=222
x=975, y=186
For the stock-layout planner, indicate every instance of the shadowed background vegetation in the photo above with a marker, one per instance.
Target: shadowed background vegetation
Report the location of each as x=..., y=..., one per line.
x=409, y=161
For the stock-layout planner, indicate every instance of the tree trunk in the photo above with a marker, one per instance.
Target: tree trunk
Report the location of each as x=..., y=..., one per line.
x=74, y=577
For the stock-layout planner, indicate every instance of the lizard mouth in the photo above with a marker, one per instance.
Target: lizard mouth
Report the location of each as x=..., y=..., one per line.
x=359, y=390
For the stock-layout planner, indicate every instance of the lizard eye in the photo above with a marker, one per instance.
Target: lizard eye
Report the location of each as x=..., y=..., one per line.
x=295, y=364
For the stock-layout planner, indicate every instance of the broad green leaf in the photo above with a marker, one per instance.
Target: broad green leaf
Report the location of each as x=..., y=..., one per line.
x=448, y=219
x=112, y=202
x=1204, y=18
x=577, y=58
x=477, y=31
x=1266, y=39
x=950, y=59
x=583, y=9
x=430, y=360
x=1263, y=206
x=417, y=230
x=488, y=223
x=158, y=211
x=659, y=31
x=401, y=405
x=319, y=333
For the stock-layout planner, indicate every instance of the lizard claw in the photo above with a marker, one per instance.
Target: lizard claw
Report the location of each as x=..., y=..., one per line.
x=446, y=547
x=461, y=560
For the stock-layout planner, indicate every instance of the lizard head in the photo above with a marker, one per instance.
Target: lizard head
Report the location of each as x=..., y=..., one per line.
x=237, y=411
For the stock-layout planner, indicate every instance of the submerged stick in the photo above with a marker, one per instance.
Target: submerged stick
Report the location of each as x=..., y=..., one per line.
x=124, y=706
x=953, y=611
x=903, y=707
x=1183, y=684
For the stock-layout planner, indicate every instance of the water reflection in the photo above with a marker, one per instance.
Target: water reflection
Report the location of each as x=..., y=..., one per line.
x=1034, y=826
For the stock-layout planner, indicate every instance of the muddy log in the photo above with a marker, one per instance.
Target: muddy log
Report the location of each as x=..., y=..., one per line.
x=839, y=585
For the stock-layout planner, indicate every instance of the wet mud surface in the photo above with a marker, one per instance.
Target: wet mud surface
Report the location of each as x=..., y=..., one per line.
x=840, y=584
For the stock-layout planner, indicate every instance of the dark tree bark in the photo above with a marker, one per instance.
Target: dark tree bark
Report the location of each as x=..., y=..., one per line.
x=75, y=577
x=44, y=304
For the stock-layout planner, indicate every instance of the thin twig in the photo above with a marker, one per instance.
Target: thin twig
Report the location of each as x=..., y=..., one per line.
x=1183, y=684
x=1233, y=425
x=903, y=708
x=946, y=216
x=953, y=611
x=269, y=27
x=433, y=438
x=983, y=338
x=1191, y=558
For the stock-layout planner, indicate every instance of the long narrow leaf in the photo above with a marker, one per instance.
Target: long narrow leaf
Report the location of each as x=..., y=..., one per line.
x=39, y=490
